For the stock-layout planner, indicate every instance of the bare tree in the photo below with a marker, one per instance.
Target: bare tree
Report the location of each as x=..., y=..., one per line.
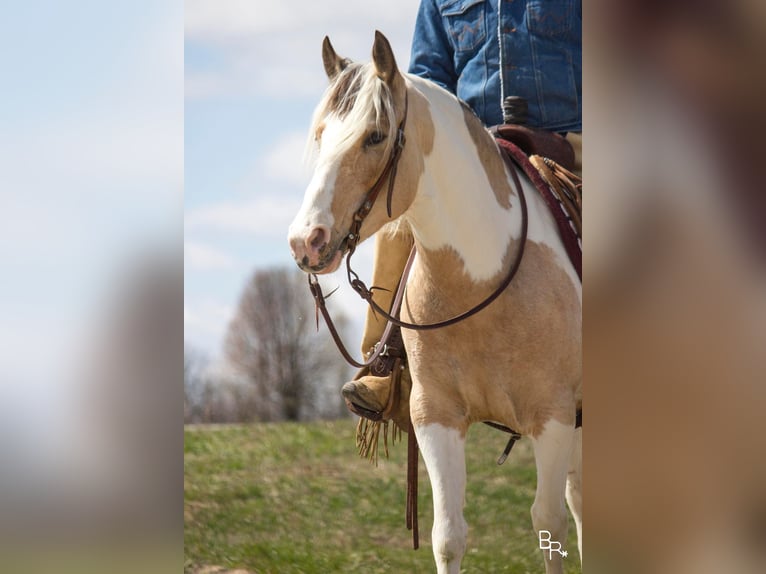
x=272, y=340
x=195, y=363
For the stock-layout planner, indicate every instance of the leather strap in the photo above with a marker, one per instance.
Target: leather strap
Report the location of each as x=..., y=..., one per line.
x=366, y=294
x=351, y=241
x=412, y=486
x=380, y=349
x=516, y=436
x=565, y=185
x=389, y=171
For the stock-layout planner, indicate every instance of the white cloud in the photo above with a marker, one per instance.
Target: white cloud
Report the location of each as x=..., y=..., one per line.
x=201, y=257
x=226, y=20
x=222, y=19
x=259, y=67
x=285, y=160
x=273, y=49
x=205, y=323
x=264, y=216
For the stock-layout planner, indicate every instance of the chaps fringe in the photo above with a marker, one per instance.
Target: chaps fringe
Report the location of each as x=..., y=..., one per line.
x=368, y=438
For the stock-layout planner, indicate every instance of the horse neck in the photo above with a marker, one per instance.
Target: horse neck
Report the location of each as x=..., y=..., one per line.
x=461, y=206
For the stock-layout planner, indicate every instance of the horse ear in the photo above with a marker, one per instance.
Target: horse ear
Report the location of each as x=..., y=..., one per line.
x=383, y=58
x=333, y=64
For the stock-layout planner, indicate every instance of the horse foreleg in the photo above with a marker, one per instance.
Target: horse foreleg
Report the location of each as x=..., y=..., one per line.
x=574, y=487
x=443, y=450
x=553, y=450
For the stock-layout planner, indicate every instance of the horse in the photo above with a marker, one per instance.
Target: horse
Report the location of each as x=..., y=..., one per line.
x=517, y=362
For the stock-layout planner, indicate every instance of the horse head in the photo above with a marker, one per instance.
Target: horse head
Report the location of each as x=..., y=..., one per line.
x=355, y=130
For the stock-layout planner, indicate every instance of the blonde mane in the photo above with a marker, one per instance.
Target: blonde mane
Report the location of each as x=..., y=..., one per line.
x=361, y=100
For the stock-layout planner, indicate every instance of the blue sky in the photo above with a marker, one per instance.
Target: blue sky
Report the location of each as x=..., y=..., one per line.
x=253, y=74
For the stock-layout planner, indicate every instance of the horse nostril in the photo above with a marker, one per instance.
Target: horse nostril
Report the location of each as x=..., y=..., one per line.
x=318, y=239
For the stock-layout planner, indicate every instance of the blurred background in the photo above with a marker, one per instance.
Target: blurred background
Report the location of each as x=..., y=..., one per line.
x=91, y=200
x=674, y=297
x=129, y=128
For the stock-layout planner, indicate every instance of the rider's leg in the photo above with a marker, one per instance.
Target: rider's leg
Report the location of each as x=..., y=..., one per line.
x=369, y=392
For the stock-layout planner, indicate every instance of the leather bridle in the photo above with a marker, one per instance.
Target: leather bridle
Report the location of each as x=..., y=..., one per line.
x=351, y=241
x=389, y=171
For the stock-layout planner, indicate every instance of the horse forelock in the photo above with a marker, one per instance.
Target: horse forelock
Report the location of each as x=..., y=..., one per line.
x=343, y=92
x=356, y=98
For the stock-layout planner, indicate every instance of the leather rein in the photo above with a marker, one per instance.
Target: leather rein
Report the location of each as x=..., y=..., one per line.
x=351, y=241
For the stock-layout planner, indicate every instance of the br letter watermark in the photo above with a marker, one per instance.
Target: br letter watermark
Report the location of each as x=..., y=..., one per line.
x=550, y=545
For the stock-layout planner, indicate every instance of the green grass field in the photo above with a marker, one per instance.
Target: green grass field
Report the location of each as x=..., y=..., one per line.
x=296, y=498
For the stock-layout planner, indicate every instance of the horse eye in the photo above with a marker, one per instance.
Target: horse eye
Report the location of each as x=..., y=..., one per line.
x=374, y=139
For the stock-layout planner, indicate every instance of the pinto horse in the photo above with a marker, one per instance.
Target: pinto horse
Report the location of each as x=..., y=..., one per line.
x=518, y=361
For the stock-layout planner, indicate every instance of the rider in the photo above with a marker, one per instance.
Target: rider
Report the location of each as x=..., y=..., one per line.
x=482, y=51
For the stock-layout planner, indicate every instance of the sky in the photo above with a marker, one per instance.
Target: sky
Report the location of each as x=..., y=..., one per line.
x=253, y=75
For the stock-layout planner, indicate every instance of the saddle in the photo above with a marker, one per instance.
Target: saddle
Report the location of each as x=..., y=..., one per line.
x=537, y=142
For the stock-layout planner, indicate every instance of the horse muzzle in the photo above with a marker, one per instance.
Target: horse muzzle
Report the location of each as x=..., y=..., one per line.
x=312, y=251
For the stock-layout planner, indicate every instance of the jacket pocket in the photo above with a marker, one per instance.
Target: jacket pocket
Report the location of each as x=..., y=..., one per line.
x=466, y=23
x=552, y=19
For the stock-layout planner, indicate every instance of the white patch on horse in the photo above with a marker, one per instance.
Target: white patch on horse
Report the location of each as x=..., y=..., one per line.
x=453, y=170
x=574, y=487
x=443, y=450
x=553, y=449
x=316, y=208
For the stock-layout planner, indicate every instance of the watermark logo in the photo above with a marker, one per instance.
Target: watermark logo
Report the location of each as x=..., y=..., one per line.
x=550, y=545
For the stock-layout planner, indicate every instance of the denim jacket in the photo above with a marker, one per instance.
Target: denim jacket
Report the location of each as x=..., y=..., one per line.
x=483, y=52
